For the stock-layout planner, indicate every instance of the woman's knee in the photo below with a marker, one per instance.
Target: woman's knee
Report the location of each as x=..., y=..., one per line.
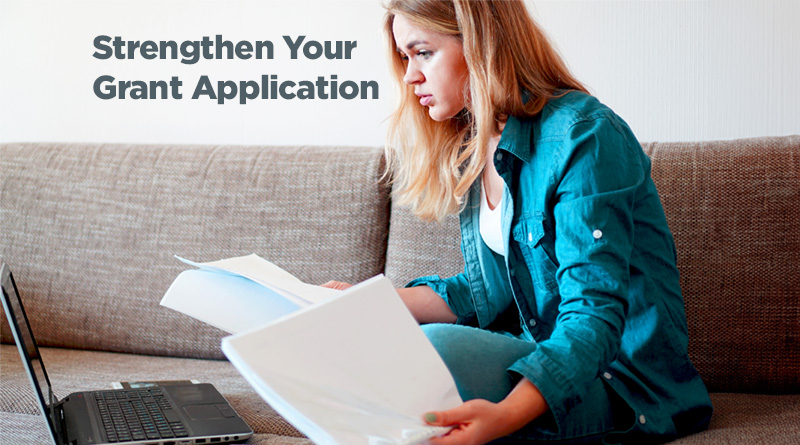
x=445, y=339
x=477, y=358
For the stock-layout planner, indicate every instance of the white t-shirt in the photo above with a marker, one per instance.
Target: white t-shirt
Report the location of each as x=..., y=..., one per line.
x=491, y=223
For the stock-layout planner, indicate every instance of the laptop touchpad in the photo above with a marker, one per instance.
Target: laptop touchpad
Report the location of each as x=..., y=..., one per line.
x=206, y=412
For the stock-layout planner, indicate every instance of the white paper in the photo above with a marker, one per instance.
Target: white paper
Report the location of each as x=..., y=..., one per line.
x=355, y=369
x=229, y=302
x=269, y=275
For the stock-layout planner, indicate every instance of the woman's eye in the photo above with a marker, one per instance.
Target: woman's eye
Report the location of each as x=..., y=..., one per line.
x=422, y=54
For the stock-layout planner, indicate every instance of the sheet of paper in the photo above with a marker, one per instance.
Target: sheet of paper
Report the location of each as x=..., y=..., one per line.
x=355, y=369
x=229, y=302
x=269, y=275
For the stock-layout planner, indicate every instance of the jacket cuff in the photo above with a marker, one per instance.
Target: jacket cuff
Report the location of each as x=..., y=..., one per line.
x=551, y=382
x=447, y=290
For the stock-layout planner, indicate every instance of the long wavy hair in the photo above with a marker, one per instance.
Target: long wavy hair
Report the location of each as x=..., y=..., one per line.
x=433, y=164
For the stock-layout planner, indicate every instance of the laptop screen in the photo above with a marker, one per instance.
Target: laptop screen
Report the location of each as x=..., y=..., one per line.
x=23, y=335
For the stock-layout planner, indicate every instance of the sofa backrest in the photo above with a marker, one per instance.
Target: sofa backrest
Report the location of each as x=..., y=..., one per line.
x=734, y=210
x=90, y=230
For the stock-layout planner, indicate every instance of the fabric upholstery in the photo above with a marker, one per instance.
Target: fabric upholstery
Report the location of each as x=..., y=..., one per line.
x=96, y=250
x=27, y=429
x=417, y=248
x=746, y=419
x=734, y=209
x=90, y=229
x=23, y=429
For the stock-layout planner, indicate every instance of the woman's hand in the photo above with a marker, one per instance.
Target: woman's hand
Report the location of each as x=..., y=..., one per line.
x=476, y=422
x=340, y=285
x=479, y=421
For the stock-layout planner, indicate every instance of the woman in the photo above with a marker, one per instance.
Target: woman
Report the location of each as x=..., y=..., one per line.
x=567, y=323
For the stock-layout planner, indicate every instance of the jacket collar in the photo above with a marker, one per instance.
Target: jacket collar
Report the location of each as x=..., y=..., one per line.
x=516, y=138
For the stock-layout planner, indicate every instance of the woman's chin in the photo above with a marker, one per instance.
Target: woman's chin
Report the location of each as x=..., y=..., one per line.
x=439, y=116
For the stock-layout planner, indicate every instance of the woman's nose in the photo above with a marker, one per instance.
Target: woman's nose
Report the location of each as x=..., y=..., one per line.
x=413, y=75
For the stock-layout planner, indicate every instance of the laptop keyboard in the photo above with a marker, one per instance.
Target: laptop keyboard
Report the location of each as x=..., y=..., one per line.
x=142, y=414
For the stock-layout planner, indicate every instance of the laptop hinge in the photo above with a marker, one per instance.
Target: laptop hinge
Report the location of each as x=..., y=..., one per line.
x=59, y=423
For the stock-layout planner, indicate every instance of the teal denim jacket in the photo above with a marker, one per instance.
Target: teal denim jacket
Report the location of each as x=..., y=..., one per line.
x=590, y=273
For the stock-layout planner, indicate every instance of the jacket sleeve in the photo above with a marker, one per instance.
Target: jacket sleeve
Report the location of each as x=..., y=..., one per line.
x=456, y=293
x=594, y=194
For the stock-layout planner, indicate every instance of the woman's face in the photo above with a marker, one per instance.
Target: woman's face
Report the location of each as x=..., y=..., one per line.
x=435, y=66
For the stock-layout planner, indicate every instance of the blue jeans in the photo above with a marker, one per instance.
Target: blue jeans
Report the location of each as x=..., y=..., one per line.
x=478, y=360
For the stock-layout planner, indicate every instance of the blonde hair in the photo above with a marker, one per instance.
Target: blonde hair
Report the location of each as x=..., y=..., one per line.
x=433, y=164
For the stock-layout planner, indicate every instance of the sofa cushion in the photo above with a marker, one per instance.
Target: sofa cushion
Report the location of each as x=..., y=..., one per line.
x=734, y=210
x=30, y=429
x=746, y=419
x=90, y=230
x=738, y=418
x=80, y=370
x=23, y=429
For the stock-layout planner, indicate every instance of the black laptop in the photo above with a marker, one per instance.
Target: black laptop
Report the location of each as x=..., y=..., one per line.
x=167, y=415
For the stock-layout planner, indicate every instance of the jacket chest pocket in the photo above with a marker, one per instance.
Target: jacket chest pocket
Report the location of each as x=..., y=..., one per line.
x=534, y=244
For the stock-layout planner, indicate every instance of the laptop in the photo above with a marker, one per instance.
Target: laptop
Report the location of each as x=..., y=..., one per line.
x=167, y=415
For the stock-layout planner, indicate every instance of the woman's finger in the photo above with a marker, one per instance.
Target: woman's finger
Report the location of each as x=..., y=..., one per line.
x=340, y=285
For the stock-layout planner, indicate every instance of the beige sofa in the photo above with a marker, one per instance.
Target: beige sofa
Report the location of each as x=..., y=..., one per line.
x=90, y=231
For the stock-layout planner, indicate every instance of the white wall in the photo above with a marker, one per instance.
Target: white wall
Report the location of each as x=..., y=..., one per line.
x=675, y=70
x=686, y=70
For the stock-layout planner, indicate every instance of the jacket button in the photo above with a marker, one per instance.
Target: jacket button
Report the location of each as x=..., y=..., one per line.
x=532, y=322
x=607, y=375
x=642, y=419
x=530, y=237
x=597, y=234
x=498, y=156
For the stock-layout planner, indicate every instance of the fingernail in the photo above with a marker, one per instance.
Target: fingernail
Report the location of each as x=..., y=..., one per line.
x=430, y=417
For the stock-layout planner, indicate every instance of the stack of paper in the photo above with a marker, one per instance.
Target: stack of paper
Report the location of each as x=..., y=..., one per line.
x=353, y=367
x=239, y=294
